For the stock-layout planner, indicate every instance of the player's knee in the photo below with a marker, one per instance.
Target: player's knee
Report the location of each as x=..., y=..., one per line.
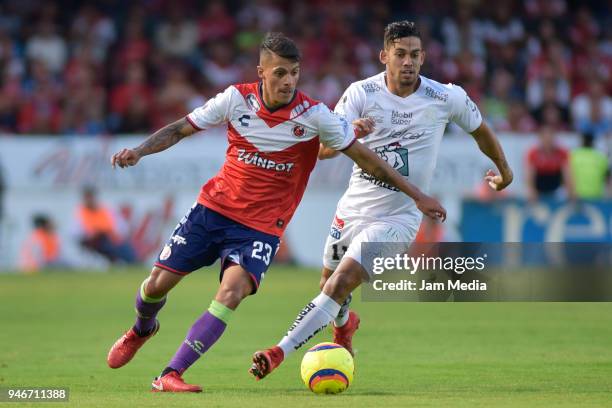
x=232, y=296
x=325, y=274
x=155, y=286
x=340, y=285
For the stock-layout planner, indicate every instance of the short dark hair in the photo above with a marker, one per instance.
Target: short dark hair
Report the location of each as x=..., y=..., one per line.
x=40, y=221
x=400, y=29
x=588, y=139
x=281, y=45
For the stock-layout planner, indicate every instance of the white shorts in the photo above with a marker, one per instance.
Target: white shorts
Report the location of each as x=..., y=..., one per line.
x=348, y=233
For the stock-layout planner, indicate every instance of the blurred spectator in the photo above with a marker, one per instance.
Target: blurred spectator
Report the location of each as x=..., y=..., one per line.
x=177, y=36
x=84, y=104
x=99, y=230
x=547, y=168
x=264, y=15
x=2, y=188
x=496, y=105
x=173, y=99
x=592, y=112
x=590, y=169
x=519, y=119
x=42, y=249
x=93, y=31
x=221, y=68
x=503, y=28
x=463, y=32
x=131, y=102
x=40, y=111
x=47, y=46
x=217, y=23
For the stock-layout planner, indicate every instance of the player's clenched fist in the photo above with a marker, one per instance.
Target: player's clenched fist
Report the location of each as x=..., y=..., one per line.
x=363, y=127
x=125, y=158
x=431, y=208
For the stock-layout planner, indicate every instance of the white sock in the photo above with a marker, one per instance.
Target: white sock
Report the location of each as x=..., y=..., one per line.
x=343, y=315
x=311, y=320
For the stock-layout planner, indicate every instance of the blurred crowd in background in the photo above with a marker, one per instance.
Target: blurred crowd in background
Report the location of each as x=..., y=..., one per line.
x=110, y=66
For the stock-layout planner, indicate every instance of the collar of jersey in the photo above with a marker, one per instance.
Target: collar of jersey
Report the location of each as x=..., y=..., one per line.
x=263, y=103
x=384, y=80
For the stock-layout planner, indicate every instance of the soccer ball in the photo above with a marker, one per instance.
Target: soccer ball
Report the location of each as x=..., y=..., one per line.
x=327, y=368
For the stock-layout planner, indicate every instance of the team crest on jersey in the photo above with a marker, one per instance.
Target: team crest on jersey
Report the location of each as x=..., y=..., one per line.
x=165, y=253
x=336, y=228
x=298, y=131
x=396, y=156
x=252, y=102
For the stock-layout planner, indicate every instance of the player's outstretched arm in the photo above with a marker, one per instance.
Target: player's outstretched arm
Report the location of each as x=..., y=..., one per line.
x=377, y=167
x=161, y=140
x=489, y=145
x=363, y=127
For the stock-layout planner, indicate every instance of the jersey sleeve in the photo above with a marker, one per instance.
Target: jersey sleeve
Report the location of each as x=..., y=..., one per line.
x=335, y=131
x=214, y=112
x=351, y=103
x=464, y=112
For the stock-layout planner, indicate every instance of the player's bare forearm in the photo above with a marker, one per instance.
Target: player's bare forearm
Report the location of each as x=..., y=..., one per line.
x=327, y=152
x=489, y=145
x=380, y=169
x=165, y=137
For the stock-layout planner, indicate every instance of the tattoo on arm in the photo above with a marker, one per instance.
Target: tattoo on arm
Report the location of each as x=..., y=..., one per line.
x=165, y=137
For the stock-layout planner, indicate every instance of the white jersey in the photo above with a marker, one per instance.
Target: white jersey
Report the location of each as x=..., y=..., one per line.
x=407, y=135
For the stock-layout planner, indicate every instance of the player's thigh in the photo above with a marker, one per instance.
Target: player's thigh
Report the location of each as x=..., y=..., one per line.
x=252, y=250
x=338, y=240
x=192, y=245
x=383, y=238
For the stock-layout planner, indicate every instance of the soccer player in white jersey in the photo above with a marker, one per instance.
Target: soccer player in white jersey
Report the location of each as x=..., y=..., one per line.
x=410, y=113
x=274, y=131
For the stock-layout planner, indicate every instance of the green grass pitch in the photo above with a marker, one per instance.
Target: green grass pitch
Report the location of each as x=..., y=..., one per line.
x=56, y=329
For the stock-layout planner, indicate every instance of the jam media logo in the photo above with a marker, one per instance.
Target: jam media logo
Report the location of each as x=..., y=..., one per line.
x=336, y=228
x=298, y=131
x=432, y=93
x=252, y=102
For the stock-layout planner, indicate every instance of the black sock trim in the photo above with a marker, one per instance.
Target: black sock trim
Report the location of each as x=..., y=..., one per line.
x=168, y=370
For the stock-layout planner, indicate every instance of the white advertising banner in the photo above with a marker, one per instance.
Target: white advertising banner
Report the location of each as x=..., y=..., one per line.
x=46, y=175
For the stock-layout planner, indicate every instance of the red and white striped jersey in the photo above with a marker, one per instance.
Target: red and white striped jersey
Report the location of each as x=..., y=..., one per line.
x=270, y=154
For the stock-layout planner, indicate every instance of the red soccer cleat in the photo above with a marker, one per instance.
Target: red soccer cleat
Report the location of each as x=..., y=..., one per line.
x=126, y=347
x=173, y=382
x=264, y=362
x=344, y=335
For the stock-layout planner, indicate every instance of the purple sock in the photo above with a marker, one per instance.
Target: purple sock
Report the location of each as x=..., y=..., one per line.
x=146, y=309
x=203, y=334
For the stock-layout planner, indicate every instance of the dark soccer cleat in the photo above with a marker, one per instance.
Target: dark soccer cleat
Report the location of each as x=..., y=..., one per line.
x=173, y=382
x=126, y=347
x=344, y=335
x=264, y=362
